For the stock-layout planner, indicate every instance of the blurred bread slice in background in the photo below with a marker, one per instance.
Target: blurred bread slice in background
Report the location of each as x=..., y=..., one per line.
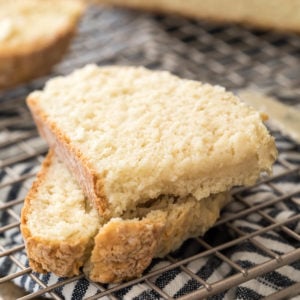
x=283, y=15
x=34, y=35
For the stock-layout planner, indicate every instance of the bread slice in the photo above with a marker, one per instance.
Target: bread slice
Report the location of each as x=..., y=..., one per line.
x=34, y=35
x=130, y=135
x=281, y=15
x=63, y=233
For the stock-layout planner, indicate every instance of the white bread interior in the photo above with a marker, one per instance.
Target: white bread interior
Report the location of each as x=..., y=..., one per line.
x=130, y=135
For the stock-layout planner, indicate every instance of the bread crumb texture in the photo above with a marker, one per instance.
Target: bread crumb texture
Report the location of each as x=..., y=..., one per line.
x=149, y=133
x=61, y=207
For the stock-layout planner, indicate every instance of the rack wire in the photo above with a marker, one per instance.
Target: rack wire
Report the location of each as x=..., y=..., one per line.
x=221, y=54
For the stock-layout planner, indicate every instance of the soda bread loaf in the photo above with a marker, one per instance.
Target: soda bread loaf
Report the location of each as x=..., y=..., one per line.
x=34, y=35
x=276, y=14
x=63, y=233
x=130, y=135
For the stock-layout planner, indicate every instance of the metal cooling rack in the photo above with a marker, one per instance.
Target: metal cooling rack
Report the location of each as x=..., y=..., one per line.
x=228, y=55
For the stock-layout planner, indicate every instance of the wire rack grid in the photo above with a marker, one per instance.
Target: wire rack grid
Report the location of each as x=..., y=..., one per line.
x=228, y=55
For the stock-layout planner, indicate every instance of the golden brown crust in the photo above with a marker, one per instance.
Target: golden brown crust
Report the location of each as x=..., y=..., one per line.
x=124, y=249
x=24, y=64
x=82, y=170
x=63, y=258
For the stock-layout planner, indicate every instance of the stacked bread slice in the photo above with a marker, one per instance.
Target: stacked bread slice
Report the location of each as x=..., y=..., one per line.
x=141, y=160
